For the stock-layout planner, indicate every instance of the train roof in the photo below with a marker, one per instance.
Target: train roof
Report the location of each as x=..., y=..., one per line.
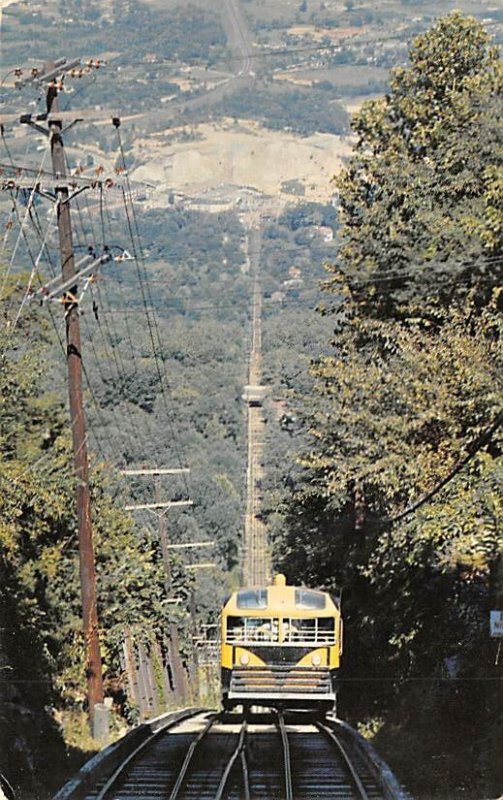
x=279, y=599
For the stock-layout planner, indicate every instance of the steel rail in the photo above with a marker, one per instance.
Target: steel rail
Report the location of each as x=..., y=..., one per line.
x=286, y=756
x=112, y=781
x=362, y=792
x=189, y=755
x=246, y=776
x=239, y=751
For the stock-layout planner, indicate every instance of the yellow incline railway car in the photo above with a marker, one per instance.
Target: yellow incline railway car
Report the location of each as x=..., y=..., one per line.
x=281, y=647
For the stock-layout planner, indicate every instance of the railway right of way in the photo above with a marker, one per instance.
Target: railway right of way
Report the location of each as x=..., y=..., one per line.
x=206, y=755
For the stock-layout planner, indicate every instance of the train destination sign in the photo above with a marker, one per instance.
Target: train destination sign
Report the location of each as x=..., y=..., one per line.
x=496, y=624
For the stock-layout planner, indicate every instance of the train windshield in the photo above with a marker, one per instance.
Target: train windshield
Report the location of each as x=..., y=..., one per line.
x=252, y=598
x=317, y=631
x=244, y=630
x=306, y=598
x=289, y=630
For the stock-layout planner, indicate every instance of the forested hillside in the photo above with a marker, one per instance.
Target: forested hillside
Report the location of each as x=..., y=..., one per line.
x=194, y=278
x=41, y=645
x=397, y=494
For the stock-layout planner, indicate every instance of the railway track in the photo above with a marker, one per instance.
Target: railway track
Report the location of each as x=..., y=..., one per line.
x=211, y=756
x=256, y=566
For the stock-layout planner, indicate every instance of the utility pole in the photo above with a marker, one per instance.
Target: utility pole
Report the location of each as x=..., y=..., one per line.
x=160, y=508
x=77, y=418
x=178, y=672
x=50, y=76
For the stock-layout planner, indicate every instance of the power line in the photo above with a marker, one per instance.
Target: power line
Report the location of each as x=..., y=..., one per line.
x=145, y=290
x=121, y=61
x=253, y=56
x=321, y=285
x=32, y=276
x=118, y=421
x=107, y=223
x=22, y=224
x=111, y=353
x=473, y=449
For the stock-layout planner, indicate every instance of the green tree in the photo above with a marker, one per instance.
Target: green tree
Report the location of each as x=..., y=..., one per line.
x=421, y=199
x=413, y=380
x=42, y=652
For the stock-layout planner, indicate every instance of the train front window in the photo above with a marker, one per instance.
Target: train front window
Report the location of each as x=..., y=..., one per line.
x=317, y=631
x=247, y=630
x=252, y=598
x=306, y=598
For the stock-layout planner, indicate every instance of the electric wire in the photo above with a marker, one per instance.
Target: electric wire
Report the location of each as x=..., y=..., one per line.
x=108, y=334
x=105, y=215
x=321, y=285
x=150, y=315
x=43, y=238
x=475, y=447
x=84, y=371
x=160, y=375
x=254, y=56
x=123, y=378
x=51, y=315
x=6, y=146
x=9, y=301
x=118, y=422
x=22, y=224
x=106, y=224
x=110, y=351
x=8, y=227
x=86, y=244
x=33, y=273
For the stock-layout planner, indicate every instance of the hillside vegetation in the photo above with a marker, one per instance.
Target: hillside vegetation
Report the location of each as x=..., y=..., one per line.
x=410, y=392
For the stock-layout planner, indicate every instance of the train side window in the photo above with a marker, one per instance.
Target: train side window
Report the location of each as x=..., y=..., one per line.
x=252, y=598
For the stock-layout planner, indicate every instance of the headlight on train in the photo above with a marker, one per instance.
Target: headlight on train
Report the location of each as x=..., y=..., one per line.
x=316, y=660
x=244, y=659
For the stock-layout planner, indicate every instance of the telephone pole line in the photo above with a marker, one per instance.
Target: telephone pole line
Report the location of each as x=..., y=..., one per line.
x=178, y=672
x=51, y=76
x=180, y=681
x=74, y=362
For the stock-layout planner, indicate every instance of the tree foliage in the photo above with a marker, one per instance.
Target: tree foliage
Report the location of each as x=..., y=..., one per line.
x=413, y=380
x=421, y=200
x=42, y=651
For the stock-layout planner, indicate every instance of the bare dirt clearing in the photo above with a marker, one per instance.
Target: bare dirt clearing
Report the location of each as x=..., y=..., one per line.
x=243, y=155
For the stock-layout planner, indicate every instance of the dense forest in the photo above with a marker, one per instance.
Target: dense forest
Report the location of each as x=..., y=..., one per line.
x=192, y=284
x=396, y=494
